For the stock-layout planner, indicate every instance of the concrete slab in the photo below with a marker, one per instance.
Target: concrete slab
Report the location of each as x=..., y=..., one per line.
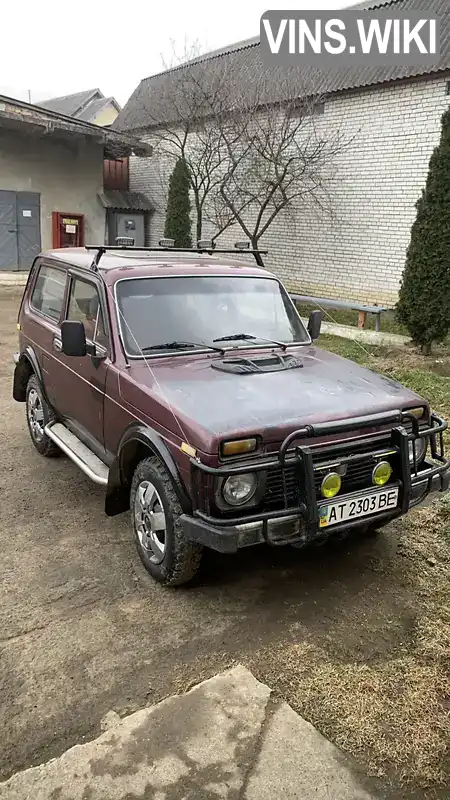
x=364, y=335
x=13, y=278
x=297, y=760
x=226, y=738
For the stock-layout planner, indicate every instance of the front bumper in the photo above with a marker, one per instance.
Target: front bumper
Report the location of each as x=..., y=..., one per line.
x=292, y=530
x=299, y=524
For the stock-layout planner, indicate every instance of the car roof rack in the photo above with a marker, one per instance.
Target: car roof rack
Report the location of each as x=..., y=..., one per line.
x=203, y=246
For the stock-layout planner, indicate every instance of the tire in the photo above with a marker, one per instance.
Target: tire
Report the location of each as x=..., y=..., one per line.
x=39, y=414
x=166, y=554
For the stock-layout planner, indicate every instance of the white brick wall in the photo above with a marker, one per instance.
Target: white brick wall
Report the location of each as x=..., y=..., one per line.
x=151, y=176
x=358, y=252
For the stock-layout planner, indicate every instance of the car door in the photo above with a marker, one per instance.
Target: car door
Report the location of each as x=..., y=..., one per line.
x=41, y=318
x=80, y=396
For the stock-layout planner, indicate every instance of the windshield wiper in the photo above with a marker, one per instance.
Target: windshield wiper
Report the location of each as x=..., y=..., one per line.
x=178, y=345
x=248, y=337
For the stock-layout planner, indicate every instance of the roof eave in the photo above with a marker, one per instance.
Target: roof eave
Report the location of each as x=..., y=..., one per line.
x=34, y=119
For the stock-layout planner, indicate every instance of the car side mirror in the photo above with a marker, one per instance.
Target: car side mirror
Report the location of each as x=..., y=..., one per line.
x=314, y=324
x=73, y=338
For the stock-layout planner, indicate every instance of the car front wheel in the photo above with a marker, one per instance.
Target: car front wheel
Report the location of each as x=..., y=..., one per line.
x=167, y=555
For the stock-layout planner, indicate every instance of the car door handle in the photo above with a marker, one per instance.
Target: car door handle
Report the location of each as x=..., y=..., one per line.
x=57, y=345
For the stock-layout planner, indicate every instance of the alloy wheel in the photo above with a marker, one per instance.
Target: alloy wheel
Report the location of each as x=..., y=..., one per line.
x=150, y=521
x=35, y=415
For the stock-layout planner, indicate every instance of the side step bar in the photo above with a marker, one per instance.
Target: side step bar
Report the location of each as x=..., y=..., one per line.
x=81, y=455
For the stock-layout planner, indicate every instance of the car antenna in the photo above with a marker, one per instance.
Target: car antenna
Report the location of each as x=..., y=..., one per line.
x=94, y=267
x=100, y=252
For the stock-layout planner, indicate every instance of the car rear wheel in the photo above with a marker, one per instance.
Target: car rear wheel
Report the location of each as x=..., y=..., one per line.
x=167, y=555
x=39, y=414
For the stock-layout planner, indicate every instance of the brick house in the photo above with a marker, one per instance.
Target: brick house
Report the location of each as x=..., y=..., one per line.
x=63, y=182
x=392, y=119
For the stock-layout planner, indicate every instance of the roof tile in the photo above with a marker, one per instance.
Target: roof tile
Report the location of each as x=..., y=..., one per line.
x=70, y=104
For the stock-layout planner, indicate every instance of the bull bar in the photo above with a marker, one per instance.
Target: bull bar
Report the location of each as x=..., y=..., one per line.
x=415, y=481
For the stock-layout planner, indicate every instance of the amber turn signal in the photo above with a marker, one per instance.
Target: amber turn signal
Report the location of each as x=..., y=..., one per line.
x=416, y=412
x=238, y=447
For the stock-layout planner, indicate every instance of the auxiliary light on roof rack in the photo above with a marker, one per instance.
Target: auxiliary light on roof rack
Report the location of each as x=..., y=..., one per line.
x=165, y=245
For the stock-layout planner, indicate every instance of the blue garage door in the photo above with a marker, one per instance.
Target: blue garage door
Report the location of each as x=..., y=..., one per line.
x=20, y=229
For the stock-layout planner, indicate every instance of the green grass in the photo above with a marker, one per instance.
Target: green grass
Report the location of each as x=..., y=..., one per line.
x=347, y=348
x=392, y=709
x=429, y=376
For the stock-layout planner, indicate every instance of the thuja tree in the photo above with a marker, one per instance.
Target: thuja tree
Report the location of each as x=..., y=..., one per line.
x=178, y=221
x=424, y=300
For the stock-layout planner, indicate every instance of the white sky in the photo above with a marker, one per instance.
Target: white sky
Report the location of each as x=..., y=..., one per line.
x=52, y=48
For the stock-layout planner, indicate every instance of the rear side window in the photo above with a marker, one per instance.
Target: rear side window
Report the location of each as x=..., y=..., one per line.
x=48, y=292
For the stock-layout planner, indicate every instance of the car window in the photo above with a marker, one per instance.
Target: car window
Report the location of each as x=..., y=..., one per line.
x=48, y=292
x=84, y=306
x=201, y=309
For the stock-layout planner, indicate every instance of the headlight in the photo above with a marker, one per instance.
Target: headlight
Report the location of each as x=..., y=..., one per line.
x=421, y=449
x=239, y=489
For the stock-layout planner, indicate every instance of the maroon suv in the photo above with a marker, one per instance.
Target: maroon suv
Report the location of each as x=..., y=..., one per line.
x=186, y=383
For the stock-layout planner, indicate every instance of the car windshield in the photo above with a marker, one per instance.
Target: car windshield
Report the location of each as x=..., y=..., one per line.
x=203, y=309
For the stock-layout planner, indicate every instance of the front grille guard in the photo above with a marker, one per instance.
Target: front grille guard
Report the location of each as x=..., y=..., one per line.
x=291, y=453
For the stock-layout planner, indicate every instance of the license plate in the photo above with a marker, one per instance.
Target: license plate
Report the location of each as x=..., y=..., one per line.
x=343, y=510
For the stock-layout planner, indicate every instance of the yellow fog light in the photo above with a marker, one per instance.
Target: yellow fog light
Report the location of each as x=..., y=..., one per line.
x=381, y=473
x=330, y=484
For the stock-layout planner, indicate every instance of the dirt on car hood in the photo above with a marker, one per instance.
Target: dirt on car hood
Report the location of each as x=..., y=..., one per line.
x=212, y=404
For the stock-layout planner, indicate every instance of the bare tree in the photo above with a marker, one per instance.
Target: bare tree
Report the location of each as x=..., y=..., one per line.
x=253, y=144
x=181, y=125
x=278, y=157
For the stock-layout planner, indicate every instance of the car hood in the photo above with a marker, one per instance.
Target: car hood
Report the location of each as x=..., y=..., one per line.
x=212, y=405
